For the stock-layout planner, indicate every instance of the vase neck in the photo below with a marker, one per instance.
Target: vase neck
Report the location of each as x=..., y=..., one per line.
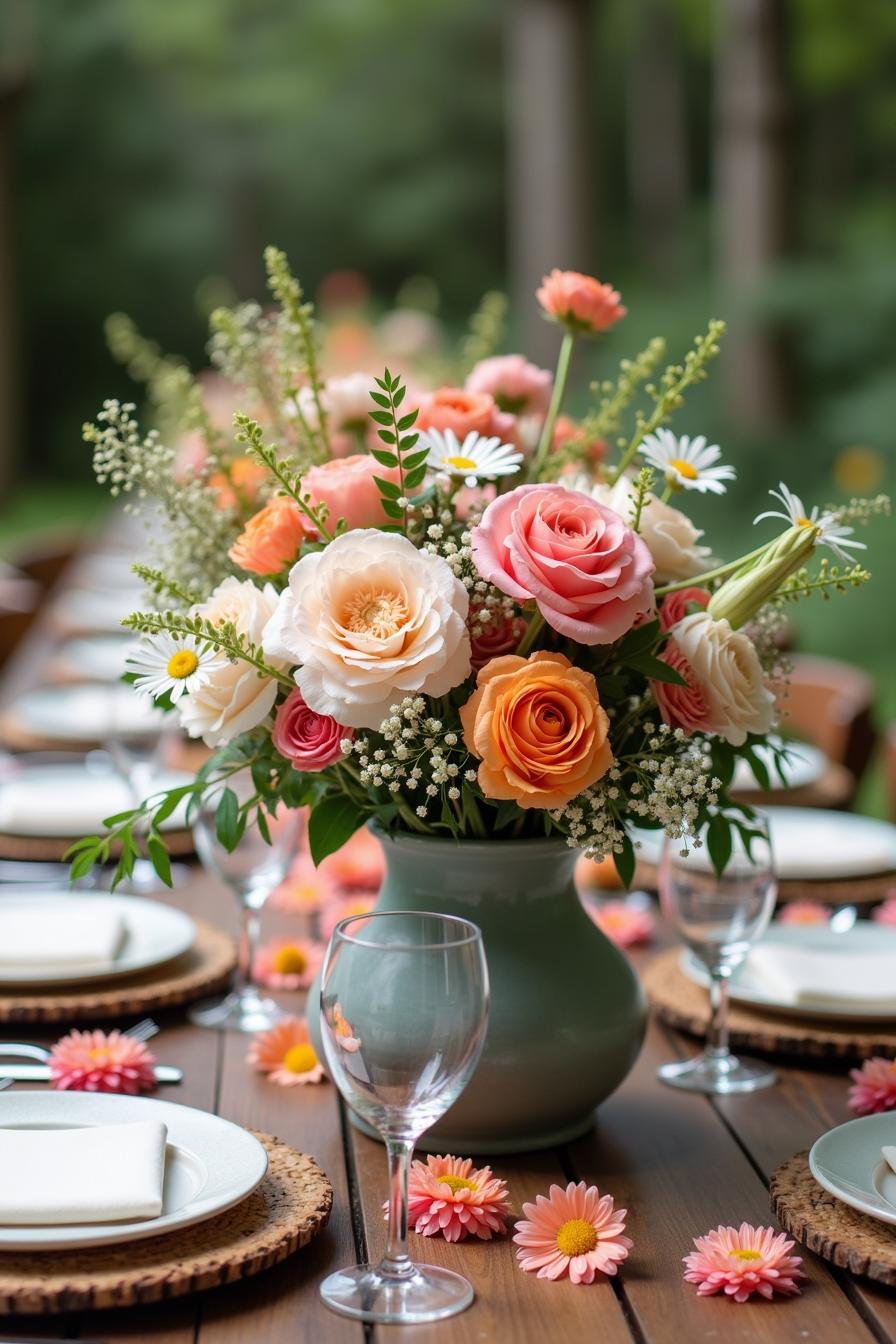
x=503, y=871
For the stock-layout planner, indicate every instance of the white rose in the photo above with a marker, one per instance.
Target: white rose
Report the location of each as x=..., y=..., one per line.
x=346, y=401
x=728, y=672
x=669, y=534
x=234, y=697
x=371, y=619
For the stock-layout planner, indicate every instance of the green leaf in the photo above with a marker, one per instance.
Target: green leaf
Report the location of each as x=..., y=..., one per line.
x=118, y=818
x=385, y=459
x=227, y=815
x=331, y=824
x=387, y=488
x=88, y=842
x=264, y=830
x=399, y=397
x=160, y=860
x=408, y=441
x=381, y=417
x=172, y=799
x=759, y=768
x=380, y=399
x=82, y=864
x=640, y=639
x=406, y=420
x=655, y=669
x=412, y=460
x=391, y=509
x=507, y=812
x=718, y=842
x=625, y=861
x=414, y=478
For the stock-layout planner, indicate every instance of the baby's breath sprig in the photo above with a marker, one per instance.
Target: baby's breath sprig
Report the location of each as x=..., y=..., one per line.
x=486, y=329
x=669, y=396
x=617, y=397
x=830, y=579
x=299, y=341
x=860, y=510
x=284, y=470
x=237, y=647
x=161, y=583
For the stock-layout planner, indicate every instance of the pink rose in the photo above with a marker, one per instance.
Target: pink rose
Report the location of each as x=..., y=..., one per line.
x=681, y=706
x=675, y=605
x=515, y=384
x=579, y=301
x=586, y=570
x=496, y=639
x=309, y=741
x=347, y=487
x=465, y=412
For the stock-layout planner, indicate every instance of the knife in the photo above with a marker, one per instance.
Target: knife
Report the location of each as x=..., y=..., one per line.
x=40, y=1073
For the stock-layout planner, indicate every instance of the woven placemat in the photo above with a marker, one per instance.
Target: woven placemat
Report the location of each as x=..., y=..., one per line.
x=205, y=969
x=840, y=891
x=678, y=1001
x=287, y=1210
x=51, y=848
x=833, y=1230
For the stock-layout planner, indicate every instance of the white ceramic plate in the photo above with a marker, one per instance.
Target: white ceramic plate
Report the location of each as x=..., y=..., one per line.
x=154, y=933
x=65, y=800
x=805, y=765
x=93, y=658
x=210, y=1164
x=91, y=712
x=849, y=1163
x=91, y=611
x=812, y=844
x=862, y=937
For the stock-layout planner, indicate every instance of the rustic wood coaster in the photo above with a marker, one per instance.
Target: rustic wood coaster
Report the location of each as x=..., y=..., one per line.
x=678, y=1001
x=51, y=848
x=839, y=891
x=205, y=969
x=287, y=1210
x=849, y=1239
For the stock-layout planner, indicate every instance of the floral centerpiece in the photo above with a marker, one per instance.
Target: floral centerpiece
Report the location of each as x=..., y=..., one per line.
x=456, y=613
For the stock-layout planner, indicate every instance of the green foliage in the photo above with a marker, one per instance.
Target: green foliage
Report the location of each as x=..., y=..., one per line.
x=398, y=453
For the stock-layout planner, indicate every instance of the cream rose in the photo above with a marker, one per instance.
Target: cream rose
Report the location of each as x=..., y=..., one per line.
x=371, y=619
x=727, y=671
x=669, y=534
x=234, y=698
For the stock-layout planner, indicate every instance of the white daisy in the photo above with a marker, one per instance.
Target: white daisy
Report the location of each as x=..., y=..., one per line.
x=178, y=666
x=686, y=464
x=828, y=531
x=476, y=459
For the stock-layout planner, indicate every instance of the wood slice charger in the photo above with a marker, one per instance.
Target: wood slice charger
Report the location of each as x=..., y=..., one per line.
x=287, y=1210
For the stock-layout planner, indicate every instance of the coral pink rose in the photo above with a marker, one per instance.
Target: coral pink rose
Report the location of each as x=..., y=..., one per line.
x=272, y=538
x=681, y=706
x=309, y=741
x=497, y=638
x=579, y=301
x=347, y=486
x=516, y=385
x=588, y=572
x=568, y=433
x=675, y=605
x=465, y=412
x=240, y=485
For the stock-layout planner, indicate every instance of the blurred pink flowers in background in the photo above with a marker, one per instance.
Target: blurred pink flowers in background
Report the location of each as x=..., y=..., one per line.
x=516, y=385
x=804, y=912
x=287, y=963
x=623, y=924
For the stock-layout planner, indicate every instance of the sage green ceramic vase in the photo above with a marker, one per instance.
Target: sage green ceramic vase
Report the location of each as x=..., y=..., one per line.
x=567, y=1012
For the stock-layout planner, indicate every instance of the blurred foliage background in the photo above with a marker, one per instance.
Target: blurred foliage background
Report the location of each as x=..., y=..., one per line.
x=733, y=159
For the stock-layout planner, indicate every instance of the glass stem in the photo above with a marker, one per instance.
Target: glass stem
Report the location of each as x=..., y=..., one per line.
x=250, y=931
x=396, y=1262
x=717, y=1031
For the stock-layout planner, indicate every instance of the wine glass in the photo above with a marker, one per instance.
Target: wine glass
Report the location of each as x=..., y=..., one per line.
x=252, y=871
x=404, y=1006
x=719, y=918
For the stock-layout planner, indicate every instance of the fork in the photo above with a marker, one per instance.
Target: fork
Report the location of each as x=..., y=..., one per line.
x=143, y=1031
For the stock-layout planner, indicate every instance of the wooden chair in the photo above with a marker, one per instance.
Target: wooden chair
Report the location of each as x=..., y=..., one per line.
x=829, y=704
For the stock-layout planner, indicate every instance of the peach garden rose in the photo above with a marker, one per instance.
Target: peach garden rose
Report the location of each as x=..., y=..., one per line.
x=347, y=486
x=579, y=301
x=272, y=538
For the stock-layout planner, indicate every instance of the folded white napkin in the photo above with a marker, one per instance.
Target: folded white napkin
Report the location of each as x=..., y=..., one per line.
x=102, y=1174
x=68, y=801
x=59, y=935
x=796, y=975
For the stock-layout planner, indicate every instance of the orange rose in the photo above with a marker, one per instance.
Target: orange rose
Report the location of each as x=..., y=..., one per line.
x=453, y=408
x=271, y=539
x=538, y=728
x=239, y=484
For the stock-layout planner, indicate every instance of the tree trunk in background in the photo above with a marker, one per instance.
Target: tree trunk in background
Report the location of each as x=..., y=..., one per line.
x=550, y=153
x=656, y=138
x=751, y=197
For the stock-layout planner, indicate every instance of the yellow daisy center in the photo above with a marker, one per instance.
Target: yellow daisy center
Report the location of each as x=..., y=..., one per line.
x=290, y=961
x=576, y=1237
x=379, y=614
x=456, y=1183
x=300, y=1059
x=804, y=522
x=685, y=469
x=100, y=1055
x=182, y=664
x=745, y=1255
x=461, y=463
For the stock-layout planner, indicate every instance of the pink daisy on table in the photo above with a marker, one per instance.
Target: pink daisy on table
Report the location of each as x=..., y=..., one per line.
x=286, y=1054
x=448, y=1195
x=99, y=1061
x=287, y=963
x=740, y=1261
x=575, y=1231
x=360, y=903
x=886, y=913
x=804, y=912
x=305, y=890
x=873, y=1086
x=622, y=924
x=359, y=864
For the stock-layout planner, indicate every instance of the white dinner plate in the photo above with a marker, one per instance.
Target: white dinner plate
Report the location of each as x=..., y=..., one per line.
x=864, y=936
x=65, y=800
x=154, y=933
x=849, y=1163
x=210, y=1164
x=804, y=766
x=812, y=844
x=92, y=611
x=93, y=658
x=88, y=712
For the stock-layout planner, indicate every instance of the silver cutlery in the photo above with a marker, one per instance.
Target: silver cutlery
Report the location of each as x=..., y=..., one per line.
x=39, y=1072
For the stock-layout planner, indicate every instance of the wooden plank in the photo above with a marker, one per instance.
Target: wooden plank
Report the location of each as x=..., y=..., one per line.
x=665, y=1156
x=510, y=1305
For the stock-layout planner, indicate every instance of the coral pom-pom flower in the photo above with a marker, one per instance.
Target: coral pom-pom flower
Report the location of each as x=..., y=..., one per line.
x=874, y=1086
x=575, y=1231
x=740, y=1261
x=448, y=1195
x=286, y=1055
x=94, y=1061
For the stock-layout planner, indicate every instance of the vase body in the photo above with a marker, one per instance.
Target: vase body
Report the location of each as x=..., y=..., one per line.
x=566, y=1017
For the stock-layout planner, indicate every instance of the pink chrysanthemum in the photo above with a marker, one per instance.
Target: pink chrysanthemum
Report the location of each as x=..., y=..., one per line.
x=359, y=903
x=448, y=1195
x=358, y=865
x=286, y=1055
x=886, y=913
x=874, y=1086
x=575, y=1231
x=97, y=1061
x=740, y=1261
x=622, y=924
x=287, y=963
x=804, y=912
x=305, y=890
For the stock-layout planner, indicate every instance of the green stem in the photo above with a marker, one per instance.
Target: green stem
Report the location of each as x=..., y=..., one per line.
x=699, y=579
x=560, y=380
x=666, y=495
x=533, y=630
x=153, y=623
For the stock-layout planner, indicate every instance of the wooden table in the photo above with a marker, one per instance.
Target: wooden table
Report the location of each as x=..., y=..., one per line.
x=681, y=1164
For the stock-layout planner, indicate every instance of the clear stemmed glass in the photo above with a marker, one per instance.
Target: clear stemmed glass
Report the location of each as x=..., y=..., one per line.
x=404, y=1006
x=252, y=871
x=719, y=918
